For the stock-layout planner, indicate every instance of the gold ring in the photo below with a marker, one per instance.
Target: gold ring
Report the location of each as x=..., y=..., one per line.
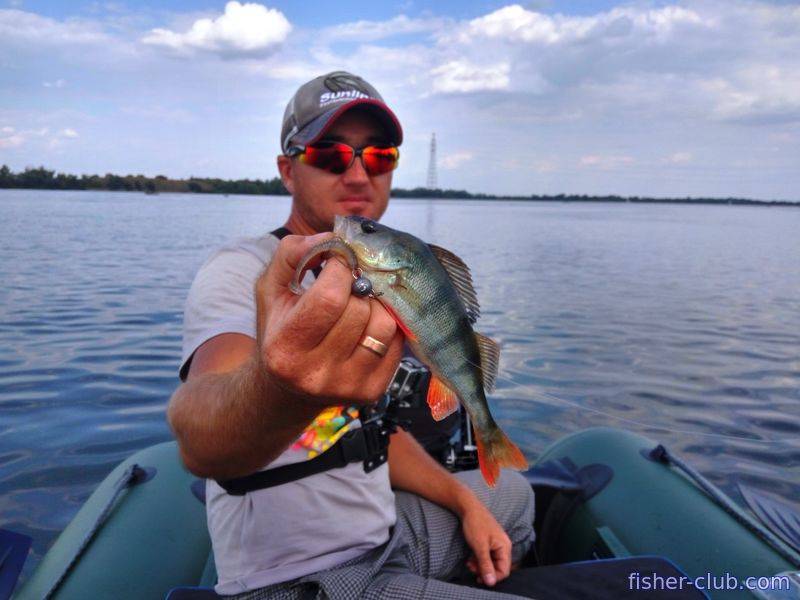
x=376, y=346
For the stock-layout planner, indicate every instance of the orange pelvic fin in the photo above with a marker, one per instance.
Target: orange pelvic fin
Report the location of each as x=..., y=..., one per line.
x=495, y=451
x=442, y=400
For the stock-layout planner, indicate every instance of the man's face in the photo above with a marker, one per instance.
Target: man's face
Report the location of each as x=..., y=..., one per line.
x=318, y=196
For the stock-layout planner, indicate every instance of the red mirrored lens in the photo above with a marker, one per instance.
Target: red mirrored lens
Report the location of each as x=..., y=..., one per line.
x=331, y=157
x=380, y=160
x=336, y=158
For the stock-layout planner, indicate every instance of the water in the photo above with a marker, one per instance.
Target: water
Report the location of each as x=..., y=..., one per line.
x=679, y=322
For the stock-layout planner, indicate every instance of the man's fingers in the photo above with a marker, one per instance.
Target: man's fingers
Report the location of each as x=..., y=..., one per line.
x=381, y=374
x=502, y=559
x=344, y=335
x=381, y=326
x=485, y=565
x=325, y=324
x=286, y=259
x=472, y=565
x=321, y=306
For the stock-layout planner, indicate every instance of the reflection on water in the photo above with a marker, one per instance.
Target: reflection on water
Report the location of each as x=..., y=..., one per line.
x=682, y=323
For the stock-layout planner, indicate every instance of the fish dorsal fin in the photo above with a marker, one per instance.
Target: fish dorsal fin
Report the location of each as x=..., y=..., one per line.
x=461, y=278
x=490, y=359
x=441, y=399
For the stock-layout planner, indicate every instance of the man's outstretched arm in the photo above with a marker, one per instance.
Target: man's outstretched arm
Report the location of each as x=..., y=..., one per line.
x=246, y=400
x=229, y=419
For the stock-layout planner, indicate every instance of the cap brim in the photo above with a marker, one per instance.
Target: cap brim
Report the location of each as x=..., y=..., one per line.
x=317, y=128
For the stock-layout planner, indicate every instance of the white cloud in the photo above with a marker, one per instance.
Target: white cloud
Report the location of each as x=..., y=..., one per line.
x=640, y=80
x=159, y=112
x=687, y=61
x=606, y=161
x=281, y=67
x=757, y=93
x=517, y=24
x=242, y=30
x=455, y=160
x=545, y=166
x=58, y=83
x=11, y=141
x=368, y=31
x=514, y=23
x=679, y=158
x=60, y=138
x=10, y=137
x=17, y=26
x=459, y=76
x=782, y=137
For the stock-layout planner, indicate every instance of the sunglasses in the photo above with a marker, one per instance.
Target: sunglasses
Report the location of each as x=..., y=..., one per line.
x=336, y=157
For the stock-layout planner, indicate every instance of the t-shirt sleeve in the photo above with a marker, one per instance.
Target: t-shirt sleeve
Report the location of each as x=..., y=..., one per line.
x=220, y=300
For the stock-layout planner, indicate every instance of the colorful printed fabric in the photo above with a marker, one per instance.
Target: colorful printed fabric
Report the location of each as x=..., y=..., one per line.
x=326, y=429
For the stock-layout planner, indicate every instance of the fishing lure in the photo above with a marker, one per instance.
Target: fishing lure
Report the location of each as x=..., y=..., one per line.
x=362, y=286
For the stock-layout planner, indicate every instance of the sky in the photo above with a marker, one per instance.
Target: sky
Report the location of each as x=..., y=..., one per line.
x=663, y=99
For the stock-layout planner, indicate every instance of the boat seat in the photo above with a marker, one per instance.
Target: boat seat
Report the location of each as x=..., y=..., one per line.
x=598, y=579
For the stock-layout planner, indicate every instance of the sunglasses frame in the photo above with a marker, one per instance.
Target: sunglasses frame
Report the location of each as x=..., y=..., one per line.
x=299, y=150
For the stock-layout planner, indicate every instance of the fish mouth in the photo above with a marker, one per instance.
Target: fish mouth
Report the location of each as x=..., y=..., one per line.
x=339, y=225
x=346, y=226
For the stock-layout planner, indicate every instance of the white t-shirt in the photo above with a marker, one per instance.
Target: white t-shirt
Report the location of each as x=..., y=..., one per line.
x=295, y=529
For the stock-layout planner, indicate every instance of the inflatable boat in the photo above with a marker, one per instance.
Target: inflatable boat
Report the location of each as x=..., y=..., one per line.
x=617, y=515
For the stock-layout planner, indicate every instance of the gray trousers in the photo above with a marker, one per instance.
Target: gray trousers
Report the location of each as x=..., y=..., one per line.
x=425, y=550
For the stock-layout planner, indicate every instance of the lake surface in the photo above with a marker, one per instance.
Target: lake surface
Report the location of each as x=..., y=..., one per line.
x=678, y=322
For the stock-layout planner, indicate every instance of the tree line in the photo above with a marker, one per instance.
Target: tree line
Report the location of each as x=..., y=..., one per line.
x=44, y=179
x=40, y=178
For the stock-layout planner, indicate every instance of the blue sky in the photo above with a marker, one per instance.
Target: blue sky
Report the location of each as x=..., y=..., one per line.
x=641, y=98
x=317, y=14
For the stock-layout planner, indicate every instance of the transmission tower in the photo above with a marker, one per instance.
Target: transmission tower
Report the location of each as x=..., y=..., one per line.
x=432, y=182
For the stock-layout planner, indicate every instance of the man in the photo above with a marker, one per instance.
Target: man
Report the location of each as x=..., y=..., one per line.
x=261, y=369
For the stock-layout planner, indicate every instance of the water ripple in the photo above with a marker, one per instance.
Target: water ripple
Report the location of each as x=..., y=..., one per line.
x=680, y=323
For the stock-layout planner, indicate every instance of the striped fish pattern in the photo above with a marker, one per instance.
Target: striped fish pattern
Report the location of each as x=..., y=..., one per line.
x=429, y=292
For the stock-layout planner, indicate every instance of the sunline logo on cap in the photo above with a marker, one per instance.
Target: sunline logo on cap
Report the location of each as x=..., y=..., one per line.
x=332, y=97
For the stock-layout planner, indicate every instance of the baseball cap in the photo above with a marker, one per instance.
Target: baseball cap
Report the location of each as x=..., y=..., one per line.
x=317, y=104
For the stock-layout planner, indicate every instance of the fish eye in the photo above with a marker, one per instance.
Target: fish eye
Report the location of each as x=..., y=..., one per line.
x=368, y=226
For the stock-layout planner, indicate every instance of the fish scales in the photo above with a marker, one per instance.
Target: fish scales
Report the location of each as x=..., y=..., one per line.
x=443, y=337
x=429, y=292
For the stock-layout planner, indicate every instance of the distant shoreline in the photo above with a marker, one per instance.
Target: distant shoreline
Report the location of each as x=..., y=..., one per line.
x=44, y=179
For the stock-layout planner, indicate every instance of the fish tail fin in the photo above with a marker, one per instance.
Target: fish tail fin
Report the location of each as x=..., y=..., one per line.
x=495, y=450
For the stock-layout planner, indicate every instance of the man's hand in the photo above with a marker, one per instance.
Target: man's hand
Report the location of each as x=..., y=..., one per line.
x=412, y=469
x=246, y=400
x=309, y=344
x=491, y=547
